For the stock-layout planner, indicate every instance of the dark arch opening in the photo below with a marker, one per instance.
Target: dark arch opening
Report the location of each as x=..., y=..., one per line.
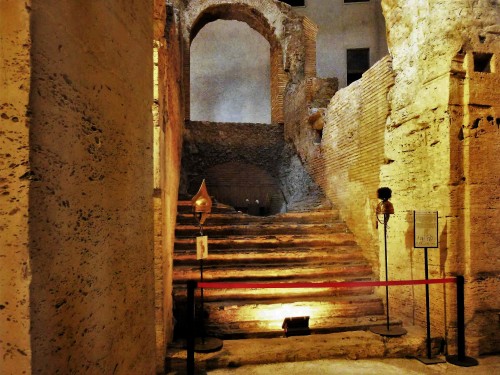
x=246, y=187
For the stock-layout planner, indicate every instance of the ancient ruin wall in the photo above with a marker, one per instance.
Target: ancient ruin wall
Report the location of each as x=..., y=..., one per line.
x=435, y=162
x=420, y=155
x=272, y=19
x=91, y=209
x=15, y=275
x=346, y=161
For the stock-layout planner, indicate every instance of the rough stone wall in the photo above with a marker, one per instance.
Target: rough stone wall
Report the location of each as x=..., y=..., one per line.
x=434, y=169
x=171, y=120
x=91, y=207
x=245, y=187
x=474, y=142
x=436, y=152
x=207, y=145
x=15, y=275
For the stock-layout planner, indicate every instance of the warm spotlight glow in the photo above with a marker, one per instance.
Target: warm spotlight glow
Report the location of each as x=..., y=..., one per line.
x=271, y=316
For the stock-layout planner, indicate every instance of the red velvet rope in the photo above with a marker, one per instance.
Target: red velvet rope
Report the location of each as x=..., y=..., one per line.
x=340, y=284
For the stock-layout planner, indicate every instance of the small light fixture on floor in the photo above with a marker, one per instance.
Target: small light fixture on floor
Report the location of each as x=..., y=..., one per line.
x=296, y=326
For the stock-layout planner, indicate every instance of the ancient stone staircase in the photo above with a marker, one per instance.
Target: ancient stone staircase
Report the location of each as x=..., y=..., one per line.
x=313, y=246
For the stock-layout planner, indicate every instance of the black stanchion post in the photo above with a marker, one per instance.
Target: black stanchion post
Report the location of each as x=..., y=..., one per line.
x=191, y=286
x=461, y=359
x=429, y=360
x=427, y=306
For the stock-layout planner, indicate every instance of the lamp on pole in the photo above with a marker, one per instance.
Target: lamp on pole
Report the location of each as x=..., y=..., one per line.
x=383, y=212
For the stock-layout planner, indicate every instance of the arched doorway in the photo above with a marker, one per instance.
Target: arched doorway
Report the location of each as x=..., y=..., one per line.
x=230, y=74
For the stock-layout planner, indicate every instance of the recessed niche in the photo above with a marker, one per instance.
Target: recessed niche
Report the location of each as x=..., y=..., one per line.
x=482, y=62
x=318, y=136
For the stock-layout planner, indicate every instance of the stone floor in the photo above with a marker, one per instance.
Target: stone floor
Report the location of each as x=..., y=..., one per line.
x=392, y=366
x=357, y=352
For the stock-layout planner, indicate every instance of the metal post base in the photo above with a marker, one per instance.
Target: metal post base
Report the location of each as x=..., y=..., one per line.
x=431, y=361
x=207, y=345
x=393, y=331
x=462, y=361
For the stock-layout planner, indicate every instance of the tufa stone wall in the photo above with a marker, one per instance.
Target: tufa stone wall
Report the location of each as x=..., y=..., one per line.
x=433, y=138
x=15, y=275
x=426, y=126
x=90, y=200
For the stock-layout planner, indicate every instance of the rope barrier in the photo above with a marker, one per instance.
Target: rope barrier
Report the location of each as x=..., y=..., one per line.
x=339, y=284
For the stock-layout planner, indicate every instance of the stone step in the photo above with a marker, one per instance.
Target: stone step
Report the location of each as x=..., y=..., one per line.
x=271, y=241
x=307, y=255
x=229, y=294
x=310, y=246
x=234, y=319
x=217, y=231
x=312, y=217
x=286, y=272
x=346, y=348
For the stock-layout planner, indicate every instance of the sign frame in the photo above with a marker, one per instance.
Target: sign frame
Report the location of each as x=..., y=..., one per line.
x=201, y=247
x=423, y=232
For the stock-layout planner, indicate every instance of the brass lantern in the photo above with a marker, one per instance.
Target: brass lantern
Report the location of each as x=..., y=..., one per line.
x=202, y=204
x=384, y=208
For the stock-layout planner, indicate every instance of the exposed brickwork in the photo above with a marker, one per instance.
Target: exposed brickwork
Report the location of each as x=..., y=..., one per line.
x=279, y=80
x=346, y=164
x=310, y=35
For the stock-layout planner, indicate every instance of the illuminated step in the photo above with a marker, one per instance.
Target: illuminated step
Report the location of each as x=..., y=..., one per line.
x=264, y=329
x=187, y=231
x=238, y=319
x=279, y=240
x=258, y=294
x=338, y=254
x=274, y=272
x=321, y=217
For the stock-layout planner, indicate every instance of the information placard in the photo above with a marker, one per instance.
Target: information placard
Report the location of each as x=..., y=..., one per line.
x=425, y=229
x=201, y=247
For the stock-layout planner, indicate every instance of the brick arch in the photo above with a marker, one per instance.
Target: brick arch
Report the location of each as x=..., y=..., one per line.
x=275, y=21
